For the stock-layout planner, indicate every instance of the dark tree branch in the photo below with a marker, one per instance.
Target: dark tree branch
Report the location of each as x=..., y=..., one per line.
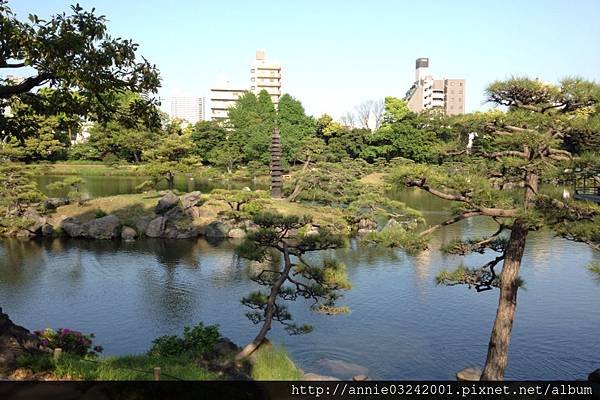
x=25, y=86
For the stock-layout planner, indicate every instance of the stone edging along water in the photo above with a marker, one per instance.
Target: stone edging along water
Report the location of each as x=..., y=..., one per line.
x=173, y=218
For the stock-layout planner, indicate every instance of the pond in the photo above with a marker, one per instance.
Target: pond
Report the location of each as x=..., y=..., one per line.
x=402, y=326
x=99, y=186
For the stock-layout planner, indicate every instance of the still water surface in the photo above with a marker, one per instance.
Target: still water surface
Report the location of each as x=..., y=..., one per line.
x=402, y=326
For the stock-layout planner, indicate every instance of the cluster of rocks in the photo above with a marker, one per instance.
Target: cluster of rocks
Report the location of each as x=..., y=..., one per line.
x=173, y=218
x=14, y=342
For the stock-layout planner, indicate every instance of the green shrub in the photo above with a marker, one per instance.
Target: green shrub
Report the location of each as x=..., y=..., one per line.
x=98, y=213
x=35, y=363
x=196, y=341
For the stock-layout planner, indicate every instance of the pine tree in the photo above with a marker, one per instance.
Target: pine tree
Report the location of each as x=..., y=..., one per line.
x=297, y=278
x=519, y=147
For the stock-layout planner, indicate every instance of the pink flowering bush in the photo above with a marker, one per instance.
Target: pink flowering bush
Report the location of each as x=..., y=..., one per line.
x=70, y=341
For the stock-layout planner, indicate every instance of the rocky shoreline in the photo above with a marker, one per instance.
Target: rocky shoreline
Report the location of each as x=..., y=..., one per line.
x=173, y=217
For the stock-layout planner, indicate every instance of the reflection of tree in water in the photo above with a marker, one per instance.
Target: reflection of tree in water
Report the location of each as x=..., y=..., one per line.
x=20, y=260
x=173, y=252
x=166, y=293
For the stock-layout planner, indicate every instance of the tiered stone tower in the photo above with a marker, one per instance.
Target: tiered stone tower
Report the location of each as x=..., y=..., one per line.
x=276, y=170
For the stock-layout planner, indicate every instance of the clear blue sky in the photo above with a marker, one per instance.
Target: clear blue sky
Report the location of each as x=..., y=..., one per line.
x=336, y=54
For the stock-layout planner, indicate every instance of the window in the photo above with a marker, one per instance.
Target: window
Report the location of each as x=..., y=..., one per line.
x=460, y=92
x=451, y=83
x=251, y=87
x=460, y=99
x=252, y=70
x=461, y=84
x=272, y=80
x=252, y=79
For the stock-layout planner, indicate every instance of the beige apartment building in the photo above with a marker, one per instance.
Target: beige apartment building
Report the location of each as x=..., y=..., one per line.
x=266, y=75
x=428, y=93
x=221, y=99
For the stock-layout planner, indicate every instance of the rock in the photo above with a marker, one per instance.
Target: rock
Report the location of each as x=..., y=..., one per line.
x=311, y=231
x=73, y=227
x=225, y=347
x=468, y=374
x=106, y=227
x=55, y=202
x=25, y=234
x=246, y=189
x=47, y=230
x=236, y=233
x=367, y=224
x=168, y=201
x=36, y=221
x=217, y=229
x=343, y=368
x=205, y=213
x=362, y=232
x=128, y=233
x=392, y=223
x=174, y=231
x=191, y=199
x=175, y=214
x=359, y=378
x=594, y=376
x=15, y=341
x=156, y=227
x=142, y=224
x=315, y=377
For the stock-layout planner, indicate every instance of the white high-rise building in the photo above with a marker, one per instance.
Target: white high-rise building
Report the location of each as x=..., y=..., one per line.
x=266, y=75
x=190, y=109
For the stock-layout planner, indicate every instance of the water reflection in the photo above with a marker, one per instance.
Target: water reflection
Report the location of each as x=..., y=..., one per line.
x=401, y=326
x=97, y=186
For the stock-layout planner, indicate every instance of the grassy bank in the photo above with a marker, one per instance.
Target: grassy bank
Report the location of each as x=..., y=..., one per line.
x=138, y=368
x=273, y=363
x=267, y=363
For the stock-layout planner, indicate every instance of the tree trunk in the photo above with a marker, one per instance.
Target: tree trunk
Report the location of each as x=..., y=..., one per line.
x=170, y=180
x=497, y=356
x=270, y=310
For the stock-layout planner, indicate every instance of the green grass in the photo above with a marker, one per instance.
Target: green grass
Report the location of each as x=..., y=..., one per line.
x=127, y=368
x=273, y=363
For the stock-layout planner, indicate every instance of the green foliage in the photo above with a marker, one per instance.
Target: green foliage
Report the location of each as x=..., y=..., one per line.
x=329, y=183
x=397, y=236
x=76, y=56
x=196, y=341
x=240, y=200
x=288, y=235
x=35, y=363
x=395, y=110
x=17, y=192
x=375, y=206
x=73, y=183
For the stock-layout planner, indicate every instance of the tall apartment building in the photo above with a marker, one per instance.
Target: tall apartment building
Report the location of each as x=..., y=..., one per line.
x=266, y=75
x=429, y=93
x=221, y=99
x=190, y=109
